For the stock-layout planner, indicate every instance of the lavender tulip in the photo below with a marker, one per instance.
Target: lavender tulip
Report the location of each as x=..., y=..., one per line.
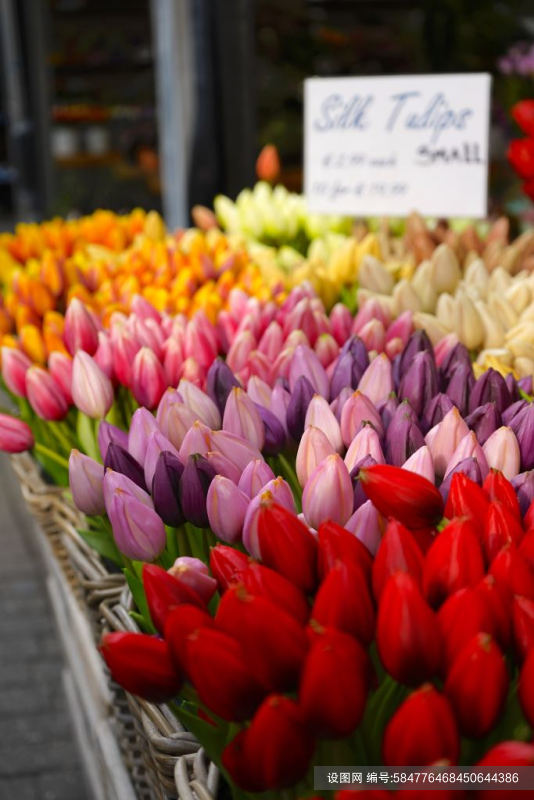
x=338, y=404
x=237, y=450
x=388, y=408
x=142, y=425
x=435, y=410
x=525, y=384
x=365, y=525
x=470, y=467
x=241, y=417
x=194, y=484
x=357, y=410
x=305, y=362
x=222, y=465
x=120, y=460
x=220, y=380
x=198, y=439
x=300, y=399
x=254, y=477
x=484, y=420
x=138, y=531
x=524, y=487
x=280, y=398
x=490, y=387
x=420, y=381
x=403, y=437
x=116, y=480
x=523, y=427
x=509, y=413
x=328, y=493
x=259, y=391
x=360, y=496
x=226, y=506
x=458, y=355
x=168, y=471
x=108, y=433
x=459, y=387
x=85, y=479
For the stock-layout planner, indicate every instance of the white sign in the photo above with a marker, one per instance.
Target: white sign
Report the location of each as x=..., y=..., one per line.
x=397, y=144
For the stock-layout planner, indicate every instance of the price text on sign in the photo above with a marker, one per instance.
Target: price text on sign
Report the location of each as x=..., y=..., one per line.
x=393, y=145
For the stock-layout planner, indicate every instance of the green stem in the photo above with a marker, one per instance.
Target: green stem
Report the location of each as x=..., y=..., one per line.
x=53, y=456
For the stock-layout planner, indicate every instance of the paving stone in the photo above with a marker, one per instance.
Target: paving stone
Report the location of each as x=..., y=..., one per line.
x=63, y=785
x=19, y=789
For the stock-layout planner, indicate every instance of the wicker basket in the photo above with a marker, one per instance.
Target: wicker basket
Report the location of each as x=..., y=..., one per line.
x=158, y=737
x=196, y=777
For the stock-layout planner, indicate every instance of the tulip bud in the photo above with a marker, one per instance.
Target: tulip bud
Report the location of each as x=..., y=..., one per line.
x=237, y=450
x=509, y=754
x=453, y=561
x=119, y=460
x=434, y=411
x=274, y=643
x=157, y=443
x=275, y=434
x=276, y=748
x=80, y=331
x=192, y=572
x=403, y=437
x=524, y=487
x=357, y=410
x=340, y=323
x=462, y=616
x=301, y=396
x=422, y=731
x=333, y=685
x=148, y=379
x=226, y=521
x=403, y=495
x=115, y=480
x=319, y=415
x=343, y=601
x=92, y=391
x=138, y=531
x=197, y=441
x=419, y=383
x=417, y=343
x=314, y=447
x=443, y=439
x=466, y=499
x=484, y=421
x=365, y=524
x=348, y=370
x=373, y=335
x=476, y=686
x=254, y=477
x=305, y=363
x=398, y=552
x=44, y=395
x=272, y=341
x=60, y=368
x=142, y=665
x=15, y=435
x=166, y=487
x=470, y=469
x=242, y=418
x=226, y=565
x=513, y=571
x=468, y=447
x=165, y=591
x=194, y=484
x=264, y=582
x=85, y=479
x=421, y=463
x=200, y=404
x=490, y=387
x=14, y=367
x=523, y=427
x=501, y=526
x=287, y=545
x=376, y=382
x=328, y=493
x=459, y=387
x=523, y=625
x=142, y=424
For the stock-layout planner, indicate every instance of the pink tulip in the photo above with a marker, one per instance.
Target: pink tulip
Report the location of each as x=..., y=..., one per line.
x=468, y=447
x=14, y=367
x=320, y=415
x=226, y=506
x=148, y=334
x=45, y=395
x=243, y=419
x=193, y=372
x=502, y=452
x=314, y=447
x=86, y=478
x=223, y=466
x=80, y=332
x=226, y=329
x=144, y=309
x=357, y=410
x=340, y=323
x=259, y=391
x=60, y=368
x=173, y=359
x=254, y=477
x=370, y=311
x=198, y=439
x=281, y=366
x=104, y=354
x=305, y=362
x=443, y=439
x=201, y=340
x=401, y=328
x=444, y=347
x=15, y=435
x=365, y=443
x=116, y=480
x=377, y=380
x=258, y=365
x=240, y=349
x=124, y=348
x=200, y=404
x=92, y=390
x=279, y=402
x=328, y=493
x=148, y=378
x=373, y=335
x=421, y=463
x=142, y=424
x=271, y=342
x=326, y=349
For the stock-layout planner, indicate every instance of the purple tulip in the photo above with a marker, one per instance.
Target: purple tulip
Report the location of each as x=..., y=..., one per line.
x=511, y=383
x=142, y=425
x=120, y=460
x=219, y=382
x=484, y=420
x=280, y=398
x=226, y=506
x=388, y=408
x=490, y=387
x=359, y=493
x=458, y=355
x=524, y=487
x=194, y=484
x=166, y=488
x=525, y=384
x=138, y=531
x=459, y=387
x=338, y=404
x=470, y=467
x=434, y=411
x=523, y=427
x=108, y=433
x=157, y=443
x=420, y=381
x=85, y=479
x=509, y=413
x=300, y=399
x=403, y=437
x=254, y=477
x=351, y=363
x=275, y=435
x=305, y=362
x=417, y=343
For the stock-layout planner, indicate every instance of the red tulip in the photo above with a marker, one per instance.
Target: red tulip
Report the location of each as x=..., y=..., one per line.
x=142, y=665
x=464, y=614
x=454, y=561
x=466, y=499
x=498, y=603
x=273, y=641
x=398, y=552
x=402, y=494
x=287, y=545
x=528, y=189
x=278, y=744
x=45, y=395
x=501, y=527
x=521, y=157
x=236, y=763
x=226, y=564
x=523, y=114
x=180, y=623
x=526, y=547
x=268, y=164
x=407, y=635
x=343, y=601
x=333, y=686
x=339, y=544
x=265, y=582
x=497, y=487
x=422, y=731
x=523, y=624
x=476, y=685
x=222, y=675
x=512, y=570
x=15, y=434
x=163, y=592
x=509, y=754
x=528, y=519
x=526, y=688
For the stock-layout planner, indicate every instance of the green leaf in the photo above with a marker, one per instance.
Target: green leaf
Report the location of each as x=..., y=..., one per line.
x=85, y=430
x=136, y=587
x=102, y=541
